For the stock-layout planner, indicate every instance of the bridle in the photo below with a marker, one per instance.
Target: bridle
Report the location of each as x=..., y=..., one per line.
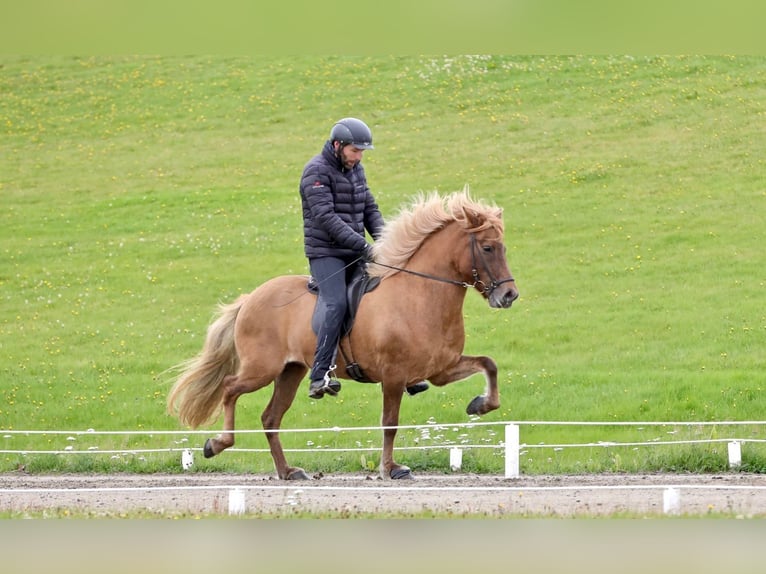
x=493, y=284
x=485, y=288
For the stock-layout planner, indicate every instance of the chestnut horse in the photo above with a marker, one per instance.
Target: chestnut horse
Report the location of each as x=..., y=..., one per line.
x=408, y=330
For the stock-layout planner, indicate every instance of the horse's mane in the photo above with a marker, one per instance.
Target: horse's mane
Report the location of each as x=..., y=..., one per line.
x=403, y=235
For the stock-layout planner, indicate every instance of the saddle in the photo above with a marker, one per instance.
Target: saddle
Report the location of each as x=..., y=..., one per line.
x=359, y=284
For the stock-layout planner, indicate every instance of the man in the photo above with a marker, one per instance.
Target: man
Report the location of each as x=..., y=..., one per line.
x=338, y=207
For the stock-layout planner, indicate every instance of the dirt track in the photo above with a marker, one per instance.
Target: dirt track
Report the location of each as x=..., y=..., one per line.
x=354, y=495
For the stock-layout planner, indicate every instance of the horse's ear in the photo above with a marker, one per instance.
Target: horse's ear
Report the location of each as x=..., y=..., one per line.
x=473, y=218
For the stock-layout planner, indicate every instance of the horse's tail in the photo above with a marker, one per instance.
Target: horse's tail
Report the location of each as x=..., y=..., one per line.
x=196, y=396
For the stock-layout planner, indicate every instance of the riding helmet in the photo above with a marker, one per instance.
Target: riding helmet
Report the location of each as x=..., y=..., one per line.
x=352, y=131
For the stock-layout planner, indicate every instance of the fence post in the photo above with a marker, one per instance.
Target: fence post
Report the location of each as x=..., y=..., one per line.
x=512, y=451
x=671, y=501
x=187, y=459
x=236, y=501
x=735, y=454
x=455, y=458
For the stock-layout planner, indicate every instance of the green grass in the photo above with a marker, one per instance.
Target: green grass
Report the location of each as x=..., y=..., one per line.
x=138, y=192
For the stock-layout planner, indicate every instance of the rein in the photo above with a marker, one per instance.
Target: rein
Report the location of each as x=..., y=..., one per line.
x=485, y=288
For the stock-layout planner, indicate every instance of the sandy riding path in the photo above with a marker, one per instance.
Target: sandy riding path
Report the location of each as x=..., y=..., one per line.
x=354, y=495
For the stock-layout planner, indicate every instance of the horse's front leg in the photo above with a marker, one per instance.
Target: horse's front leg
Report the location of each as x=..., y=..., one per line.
x=392, y=400
x=464, y=368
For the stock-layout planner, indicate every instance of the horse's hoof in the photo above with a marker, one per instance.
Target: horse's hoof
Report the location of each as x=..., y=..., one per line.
x=297, y=474
x=208, y=449
x=401, y=473
x=475, y=407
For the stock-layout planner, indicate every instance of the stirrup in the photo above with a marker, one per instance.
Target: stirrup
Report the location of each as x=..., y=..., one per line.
x=325, y=386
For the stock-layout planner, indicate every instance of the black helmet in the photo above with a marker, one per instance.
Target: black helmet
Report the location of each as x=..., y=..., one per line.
x=352, y=131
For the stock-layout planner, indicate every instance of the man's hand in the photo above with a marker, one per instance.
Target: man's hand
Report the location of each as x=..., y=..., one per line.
x=367, y=254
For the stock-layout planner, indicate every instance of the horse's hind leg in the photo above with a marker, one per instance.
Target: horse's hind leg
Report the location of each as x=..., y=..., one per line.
x=464, y=368
x=234, y=387
x=285, y=388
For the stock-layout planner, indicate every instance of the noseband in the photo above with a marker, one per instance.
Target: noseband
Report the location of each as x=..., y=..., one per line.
x=485, y=288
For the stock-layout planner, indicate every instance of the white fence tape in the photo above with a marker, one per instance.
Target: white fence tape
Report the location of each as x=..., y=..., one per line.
x=512, y=445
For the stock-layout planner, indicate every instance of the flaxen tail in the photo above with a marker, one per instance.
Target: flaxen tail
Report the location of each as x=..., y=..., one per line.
x=196, y=396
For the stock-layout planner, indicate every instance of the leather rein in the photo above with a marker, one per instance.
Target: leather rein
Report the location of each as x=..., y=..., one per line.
x=485, y=288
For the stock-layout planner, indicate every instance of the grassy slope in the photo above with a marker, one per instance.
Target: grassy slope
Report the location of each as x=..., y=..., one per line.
x=138, y=192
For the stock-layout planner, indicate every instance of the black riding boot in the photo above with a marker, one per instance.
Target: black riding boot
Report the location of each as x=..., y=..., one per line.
x=325, y=386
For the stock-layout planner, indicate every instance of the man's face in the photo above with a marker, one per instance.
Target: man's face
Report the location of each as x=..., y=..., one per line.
x=349, y=155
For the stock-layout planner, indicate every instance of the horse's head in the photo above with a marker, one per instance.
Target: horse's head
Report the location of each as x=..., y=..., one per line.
x=486, y=255
x=480, y=260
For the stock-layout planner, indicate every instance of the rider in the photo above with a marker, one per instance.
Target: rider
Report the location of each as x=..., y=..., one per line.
x=338, y=207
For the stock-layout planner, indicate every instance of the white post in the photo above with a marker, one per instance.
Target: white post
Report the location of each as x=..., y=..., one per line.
x=455, y=458
x=236, y=501
x=735, y=454
x=512, y=451
x=187, y=459
x=671, y=501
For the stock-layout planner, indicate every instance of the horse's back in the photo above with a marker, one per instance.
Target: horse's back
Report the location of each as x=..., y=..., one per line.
x=282, y=295
x=277, y=314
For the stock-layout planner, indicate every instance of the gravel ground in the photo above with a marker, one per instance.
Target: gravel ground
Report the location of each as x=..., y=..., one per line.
x=360, y=495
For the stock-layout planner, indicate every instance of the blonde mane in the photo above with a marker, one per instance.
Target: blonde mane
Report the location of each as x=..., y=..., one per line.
x=403, y=235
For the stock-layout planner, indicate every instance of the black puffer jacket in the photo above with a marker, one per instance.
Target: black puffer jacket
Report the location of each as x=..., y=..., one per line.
x=337, y=207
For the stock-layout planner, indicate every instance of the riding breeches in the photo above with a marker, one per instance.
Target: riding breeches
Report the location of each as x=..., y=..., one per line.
x=331, y=275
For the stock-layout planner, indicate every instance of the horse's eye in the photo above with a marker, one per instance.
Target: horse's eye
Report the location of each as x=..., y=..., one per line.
x=487, y=248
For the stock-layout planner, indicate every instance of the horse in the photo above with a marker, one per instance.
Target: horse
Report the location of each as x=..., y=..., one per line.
x=406, y=331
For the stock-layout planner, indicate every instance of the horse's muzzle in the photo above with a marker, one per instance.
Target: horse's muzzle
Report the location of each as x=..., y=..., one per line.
x=503, y=298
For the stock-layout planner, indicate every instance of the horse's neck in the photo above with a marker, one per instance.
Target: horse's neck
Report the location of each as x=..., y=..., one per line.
x=438, y=254
x=438, y=258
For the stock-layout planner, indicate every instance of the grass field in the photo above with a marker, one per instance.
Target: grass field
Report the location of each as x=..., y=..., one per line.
x=138, y=192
